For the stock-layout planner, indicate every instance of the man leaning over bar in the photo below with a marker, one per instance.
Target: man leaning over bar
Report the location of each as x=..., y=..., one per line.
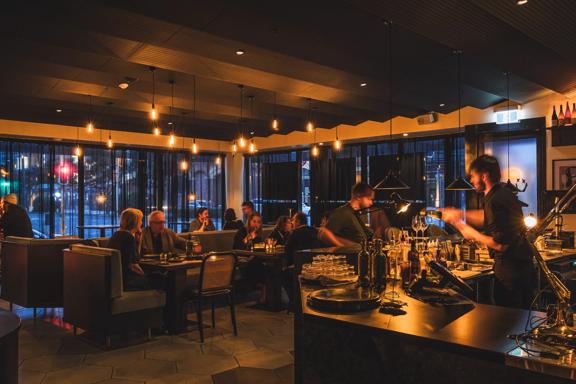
x=156, y=238
x=347, y=224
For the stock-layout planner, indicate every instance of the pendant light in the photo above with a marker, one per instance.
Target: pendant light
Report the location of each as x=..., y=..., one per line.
x=153, y=112
x=90, y=124
x=315, y=151
x=172, y=138
x=77, y=148
x=252, y=147
x=509, y=184
x=391, y=182
x=194, y=148
x=184, y=162
x=234, y=147
x=460, y=183
x=309, y=123
x=110, y=144
x=218, y=159
x=337, y=143
x=241, y=140
x=275, y=123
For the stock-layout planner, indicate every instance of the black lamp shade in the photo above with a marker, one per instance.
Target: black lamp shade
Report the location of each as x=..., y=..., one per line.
x=460, y=184
x=391, y=183
x=512, y=187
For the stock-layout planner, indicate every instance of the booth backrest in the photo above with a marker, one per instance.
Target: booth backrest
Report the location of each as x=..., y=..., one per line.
x=218, y=241
x=115, y=264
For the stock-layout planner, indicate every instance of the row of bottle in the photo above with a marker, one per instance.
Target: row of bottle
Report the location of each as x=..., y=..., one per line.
x=372, y=265
x=564, y=118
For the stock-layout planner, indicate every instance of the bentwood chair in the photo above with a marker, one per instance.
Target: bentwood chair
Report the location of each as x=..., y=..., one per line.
x=216, y=278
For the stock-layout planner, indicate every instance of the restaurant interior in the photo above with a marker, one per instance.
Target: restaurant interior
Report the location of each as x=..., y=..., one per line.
x=288, y=192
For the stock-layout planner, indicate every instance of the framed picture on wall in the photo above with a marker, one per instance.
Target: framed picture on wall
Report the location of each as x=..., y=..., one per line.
x=563, y=174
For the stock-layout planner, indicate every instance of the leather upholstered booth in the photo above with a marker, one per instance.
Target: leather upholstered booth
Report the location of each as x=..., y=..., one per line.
x=94, y=299
x=32, y=271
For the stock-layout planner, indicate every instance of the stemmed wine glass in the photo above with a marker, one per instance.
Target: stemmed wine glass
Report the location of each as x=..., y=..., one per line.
x=416, y=225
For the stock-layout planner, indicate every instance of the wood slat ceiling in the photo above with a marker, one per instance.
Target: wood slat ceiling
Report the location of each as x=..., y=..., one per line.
x=57, y=54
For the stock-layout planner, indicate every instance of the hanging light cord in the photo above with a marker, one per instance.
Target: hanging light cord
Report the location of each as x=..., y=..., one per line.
x=459, y=80
x=241, y=110
x=389, y=23
x=508, y=121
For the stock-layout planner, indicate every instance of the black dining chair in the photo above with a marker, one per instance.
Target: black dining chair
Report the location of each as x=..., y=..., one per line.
x=216, y=279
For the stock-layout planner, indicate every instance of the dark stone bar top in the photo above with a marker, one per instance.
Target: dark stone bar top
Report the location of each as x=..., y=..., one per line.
x=461, y=343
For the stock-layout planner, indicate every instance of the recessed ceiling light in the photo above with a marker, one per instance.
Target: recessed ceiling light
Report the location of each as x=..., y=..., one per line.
x=320, y=143
x=251, y=132
x=123, y=85
x=240, y=52
x=169, y=123
x=363, y=84
x=442, y=104
x=521, y=2
x=58, y=110
x=404, y=134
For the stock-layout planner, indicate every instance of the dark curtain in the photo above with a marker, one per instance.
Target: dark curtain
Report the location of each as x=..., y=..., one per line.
x=279, y=189
x=331, y=182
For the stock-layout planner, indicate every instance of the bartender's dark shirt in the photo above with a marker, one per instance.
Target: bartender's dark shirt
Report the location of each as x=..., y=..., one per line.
x=349, y=224
x=504, y=221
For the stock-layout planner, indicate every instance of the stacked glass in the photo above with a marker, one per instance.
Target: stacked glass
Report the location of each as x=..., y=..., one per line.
x=333, y=267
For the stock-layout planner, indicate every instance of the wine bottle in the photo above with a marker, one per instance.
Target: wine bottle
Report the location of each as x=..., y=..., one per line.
x=363, y=262
x=379, y=267
x=568, y=115
x=554, y=117
x=561, y=117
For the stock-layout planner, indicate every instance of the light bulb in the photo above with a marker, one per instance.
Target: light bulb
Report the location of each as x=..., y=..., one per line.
x=153, y=113
x=194, y=147
x=234, y=147
x=172, y=140
x=101, y=198
x=110, y=144
x=90, y=127
x=156, y=131
x=309, y=126
x=337, y=145
x=252, y=147
x=530, y=221
x=192, y=197
x=183, y=165
x=275, y=124
x=315, y=151
x=78, y=151
x=242, y=142
x=218, y=160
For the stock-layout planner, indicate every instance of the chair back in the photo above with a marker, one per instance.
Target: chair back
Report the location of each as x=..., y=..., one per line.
x=115, y=278
x=217, y=271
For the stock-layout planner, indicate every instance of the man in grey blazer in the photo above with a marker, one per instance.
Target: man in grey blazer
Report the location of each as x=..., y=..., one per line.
x=156, y=238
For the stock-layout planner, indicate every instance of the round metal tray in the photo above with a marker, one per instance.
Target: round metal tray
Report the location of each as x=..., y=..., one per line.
x=344, y=299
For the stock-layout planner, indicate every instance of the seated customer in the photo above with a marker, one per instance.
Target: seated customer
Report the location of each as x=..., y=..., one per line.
x=202, y=222
x=250, y=233
x=282, y=230
x=14, y=220
x=302, y=237
x=247, y=209
x=156, y=238
x=230, y=220
x=125, y=240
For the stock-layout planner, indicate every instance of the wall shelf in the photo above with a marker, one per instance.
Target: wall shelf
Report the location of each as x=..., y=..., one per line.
x=562, y=136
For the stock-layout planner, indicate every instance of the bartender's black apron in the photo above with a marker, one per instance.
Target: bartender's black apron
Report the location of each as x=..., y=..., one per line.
x=514, y=269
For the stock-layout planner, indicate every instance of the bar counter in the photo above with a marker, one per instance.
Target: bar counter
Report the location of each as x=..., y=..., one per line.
x=430, y=343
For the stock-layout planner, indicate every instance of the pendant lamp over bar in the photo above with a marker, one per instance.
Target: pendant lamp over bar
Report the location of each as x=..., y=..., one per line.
x=391, y=182
x=460, y=183
x=514, y=188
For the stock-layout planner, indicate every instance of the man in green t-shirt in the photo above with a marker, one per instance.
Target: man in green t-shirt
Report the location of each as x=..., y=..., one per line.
x=348, y=225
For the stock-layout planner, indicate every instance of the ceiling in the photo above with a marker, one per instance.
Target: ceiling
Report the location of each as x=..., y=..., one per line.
x=71, y=55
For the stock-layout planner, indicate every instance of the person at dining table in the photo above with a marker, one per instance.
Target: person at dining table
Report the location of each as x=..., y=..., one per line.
x=231, y=222
x=247, y=209
x=282, y=230
x=202, y=222
x=156, y=238
x=14, y=220
x=249, y=234
x=126, y=240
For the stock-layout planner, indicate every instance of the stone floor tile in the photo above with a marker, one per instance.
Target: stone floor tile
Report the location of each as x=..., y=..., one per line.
x=181, y=378
x=115, y=358
x=247, y=376
x=84, y=374
x=50, y=363
x=145, y=369
x=120, y=381
x=207, y=364
x=231, y=345
x=174, y=351
x=286, y=374
x=264, y=358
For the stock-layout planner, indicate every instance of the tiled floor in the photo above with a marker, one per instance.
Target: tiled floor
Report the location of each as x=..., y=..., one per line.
x=260, y=354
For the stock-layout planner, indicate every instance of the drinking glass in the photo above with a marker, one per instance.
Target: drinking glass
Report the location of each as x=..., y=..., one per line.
x=415, y=225
x=163, y=258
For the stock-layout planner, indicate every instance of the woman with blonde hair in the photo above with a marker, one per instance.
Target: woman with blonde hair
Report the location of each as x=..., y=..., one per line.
x=127, y=241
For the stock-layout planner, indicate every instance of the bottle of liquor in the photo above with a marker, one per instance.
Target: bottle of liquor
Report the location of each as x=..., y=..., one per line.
x=379, y=267
x=554, y=117
x=561, y=117
x=573, y=113
x=568, y=115
x=363, y=265
x=414, y=259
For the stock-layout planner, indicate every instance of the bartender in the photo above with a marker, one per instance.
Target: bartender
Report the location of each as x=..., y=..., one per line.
x=503, y=234
x=347, y=224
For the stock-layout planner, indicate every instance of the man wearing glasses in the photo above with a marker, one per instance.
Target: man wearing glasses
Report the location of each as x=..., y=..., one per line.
x=156, y=238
